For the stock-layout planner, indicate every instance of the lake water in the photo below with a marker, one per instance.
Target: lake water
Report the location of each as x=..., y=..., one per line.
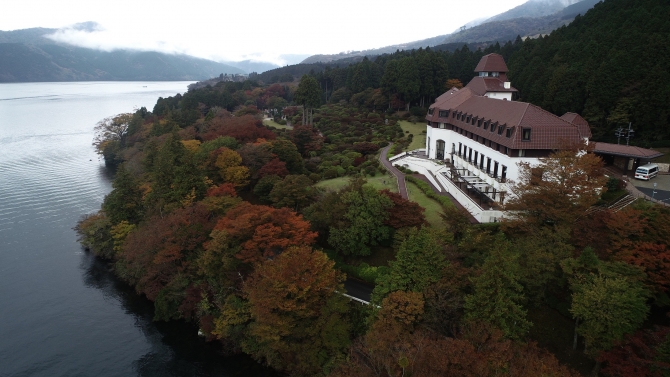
x=62, y=312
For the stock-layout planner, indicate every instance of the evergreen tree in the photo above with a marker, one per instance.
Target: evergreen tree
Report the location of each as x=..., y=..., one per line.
x=497, y=293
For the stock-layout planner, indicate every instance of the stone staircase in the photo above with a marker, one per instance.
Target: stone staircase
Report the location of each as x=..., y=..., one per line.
x=617, y=206
x=622, y=203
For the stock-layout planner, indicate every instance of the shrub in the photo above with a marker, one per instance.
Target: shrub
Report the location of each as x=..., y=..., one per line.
x=444, y=201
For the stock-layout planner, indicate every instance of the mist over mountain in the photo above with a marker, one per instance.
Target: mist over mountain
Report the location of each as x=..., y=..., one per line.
x=529, y=19
x=534, y=8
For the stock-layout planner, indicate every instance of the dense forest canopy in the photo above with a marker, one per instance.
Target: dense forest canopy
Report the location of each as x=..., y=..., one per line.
x=230, y=224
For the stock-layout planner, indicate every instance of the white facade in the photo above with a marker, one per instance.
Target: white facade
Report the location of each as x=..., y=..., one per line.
x=492, y=182
x=499, y=95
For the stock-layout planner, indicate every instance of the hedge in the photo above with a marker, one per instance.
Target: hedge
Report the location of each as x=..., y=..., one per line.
x=444, y=201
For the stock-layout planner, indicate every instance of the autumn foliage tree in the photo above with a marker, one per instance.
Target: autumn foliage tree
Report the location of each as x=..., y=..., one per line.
x=158, y=256
x=264, y=232
x=559, y=190
x=643, y=354
x=404, y=213
x=297, y=316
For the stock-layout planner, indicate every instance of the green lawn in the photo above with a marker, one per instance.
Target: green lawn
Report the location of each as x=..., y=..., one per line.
x=433, y=208
x=380, y=182
x=417, y=129
x=272, y=123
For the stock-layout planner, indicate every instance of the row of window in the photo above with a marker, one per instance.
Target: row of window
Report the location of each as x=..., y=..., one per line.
x=486, y=125
x=478, y=159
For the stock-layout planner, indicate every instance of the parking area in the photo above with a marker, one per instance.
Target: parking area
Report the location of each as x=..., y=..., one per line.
x=647, y=187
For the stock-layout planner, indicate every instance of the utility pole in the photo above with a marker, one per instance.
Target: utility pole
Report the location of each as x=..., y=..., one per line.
x=621, y=132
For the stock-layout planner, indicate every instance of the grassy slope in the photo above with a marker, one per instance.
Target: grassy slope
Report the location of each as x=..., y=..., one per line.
x=433, y=208
x=380, y=182
x=270, y=122
x=418, y=130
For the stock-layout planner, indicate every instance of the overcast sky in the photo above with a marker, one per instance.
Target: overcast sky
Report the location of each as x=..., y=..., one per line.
x=255, y=29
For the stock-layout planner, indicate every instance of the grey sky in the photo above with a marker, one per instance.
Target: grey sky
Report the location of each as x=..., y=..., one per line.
x=258, y=30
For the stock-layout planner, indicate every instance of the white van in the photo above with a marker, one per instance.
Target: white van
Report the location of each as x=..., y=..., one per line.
x=646, y=172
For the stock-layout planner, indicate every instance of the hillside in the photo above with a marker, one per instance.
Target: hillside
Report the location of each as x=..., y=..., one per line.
x=27, y=56
x=532, y=18
x=609, y=66
x=533, y=8
x=503, y=29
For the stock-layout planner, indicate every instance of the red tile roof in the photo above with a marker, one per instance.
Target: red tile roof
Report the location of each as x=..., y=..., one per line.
x=492, y=63
x=481, y=85
x=547, y=130
x=578, y=121
x=626, y=151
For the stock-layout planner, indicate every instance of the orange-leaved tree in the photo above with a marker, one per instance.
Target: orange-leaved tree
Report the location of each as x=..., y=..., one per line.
x=263, y=232
x=297, y=315
x=559, y=190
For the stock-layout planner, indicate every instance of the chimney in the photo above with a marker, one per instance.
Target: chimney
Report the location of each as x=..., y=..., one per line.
x=508, y=84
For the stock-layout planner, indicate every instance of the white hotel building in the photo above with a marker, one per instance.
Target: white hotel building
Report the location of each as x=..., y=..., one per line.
x=478, y=134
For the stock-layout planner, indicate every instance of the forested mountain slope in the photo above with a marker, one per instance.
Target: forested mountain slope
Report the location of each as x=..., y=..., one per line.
x=609, y=66
x=26, y=55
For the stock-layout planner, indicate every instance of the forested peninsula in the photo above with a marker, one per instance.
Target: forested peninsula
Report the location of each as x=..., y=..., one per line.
x=242, y=207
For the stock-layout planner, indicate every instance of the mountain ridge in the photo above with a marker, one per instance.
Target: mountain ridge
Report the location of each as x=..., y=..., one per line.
x=28, y=56
x=489, y=31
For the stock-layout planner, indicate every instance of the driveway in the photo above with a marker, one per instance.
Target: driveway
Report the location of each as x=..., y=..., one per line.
x=647, y=187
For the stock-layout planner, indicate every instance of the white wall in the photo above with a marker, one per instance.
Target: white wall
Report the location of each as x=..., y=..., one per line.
x=450, y=137
x=499, y=95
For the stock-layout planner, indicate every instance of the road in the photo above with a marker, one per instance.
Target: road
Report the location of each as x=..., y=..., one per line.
x=402, y=188
x=358, y=289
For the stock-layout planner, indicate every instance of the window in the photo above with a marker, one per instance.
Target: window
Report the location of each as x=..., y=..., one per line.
x=509, y=132
x=479, y=123
x=495, y=169
x=476, y=157
x=525, y=134
x=500, y=129
x=481, y=162
x=474, y=120
x=486, y=125
x=506, y=150
x=493, y=126
x=467, y=120
x=488, y=165
x=503, y=173
x=522, y=153
x=453, y=115
x=430, y=111
x=444, y=114
x=443, y=126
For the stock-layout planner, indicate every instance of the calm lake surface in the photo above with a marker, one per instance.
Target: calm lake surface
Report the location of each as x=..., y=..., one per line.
x=62, y=312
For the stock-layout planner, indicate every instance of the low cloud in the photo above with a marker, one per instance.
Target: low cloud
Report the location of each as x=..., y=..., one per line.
x=94, y=36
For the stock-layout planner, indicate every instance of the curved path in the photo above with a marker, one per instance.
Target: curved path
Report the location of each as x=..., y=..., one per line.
x=400, y=177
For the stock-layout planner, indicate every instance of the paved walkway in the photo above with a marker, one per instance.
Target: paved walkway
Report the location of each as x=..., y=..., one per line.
x=400, y=177
x=402, y=188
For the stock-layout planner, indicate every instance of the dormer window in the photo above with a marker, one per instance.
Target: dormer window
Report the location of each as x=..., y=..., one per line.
x=525, y=134
x=500, y=129
x=474, y=120
x=430, y=111
x=486, y=125
x=444, y=113
x=467, y=120
x=479, y=123
x=493, y=126
x=509, y=132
